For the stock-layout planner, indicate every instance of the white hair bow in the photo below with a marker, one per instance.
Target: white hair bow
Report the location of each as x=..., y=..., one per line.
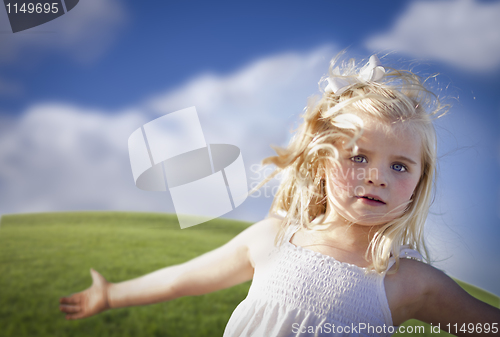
x=372, y=71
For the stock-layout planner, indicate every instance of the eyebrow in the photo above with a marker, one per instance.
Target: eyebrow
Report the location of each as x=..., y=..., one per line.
x=411, y=161
x=406, y=159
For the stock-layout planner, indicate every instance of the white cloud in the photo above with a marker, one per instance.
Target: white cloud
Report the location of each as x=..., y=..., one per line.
x=464, y=33
x=63, y=157
x=248, y=108
x=60, y=157
x=84, y=33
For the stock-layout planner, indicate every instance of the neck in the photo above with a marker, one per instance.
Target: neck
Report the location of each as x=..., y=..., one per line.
x=347, y=235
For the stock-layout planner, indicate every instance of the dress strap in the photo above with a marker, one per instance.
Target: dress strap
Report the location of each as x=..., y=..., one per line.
x=406, y=252
x=291, y=230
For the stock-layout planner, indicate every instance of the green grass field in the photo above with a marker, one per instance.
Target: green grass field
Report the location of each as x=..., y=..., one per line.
x=46, y=256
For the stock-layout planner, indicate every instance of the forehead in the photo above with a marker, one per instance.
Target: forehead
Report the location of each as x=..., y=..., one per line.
x=395, y=138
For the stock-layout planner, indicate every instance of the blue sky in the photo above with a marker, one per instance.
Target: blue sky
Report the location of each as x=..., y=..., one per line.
x=73, y=90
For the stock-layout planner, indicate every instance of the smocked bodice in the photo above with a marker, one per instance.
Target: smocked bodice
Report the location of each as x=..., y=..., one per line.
x=298, y=289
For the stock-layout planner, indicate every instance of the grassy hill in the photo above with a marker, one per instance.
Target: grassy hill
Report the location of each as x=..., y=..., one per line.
x=46, y=256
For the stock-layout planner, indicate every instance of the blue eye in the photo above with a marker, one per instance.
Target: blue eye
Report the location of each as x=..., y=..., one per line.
x=358, y=159
x=399, y=167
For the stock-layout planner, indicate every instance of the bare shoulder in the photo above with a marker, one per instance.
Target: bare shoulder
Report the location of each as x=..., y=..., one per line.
x=260, y=238
x=418, y=290
x=406, y=287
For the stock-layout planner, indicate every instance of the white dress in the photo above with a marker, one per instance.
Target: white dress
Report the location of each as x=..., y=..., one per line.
x=300, y=292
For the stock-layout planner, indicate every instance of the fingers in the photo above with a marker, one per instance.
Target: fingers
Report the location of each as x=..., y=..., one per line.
x=76, y=315
x=73, y=311
x=71, y=305
x=69, y=309
x=70, y=300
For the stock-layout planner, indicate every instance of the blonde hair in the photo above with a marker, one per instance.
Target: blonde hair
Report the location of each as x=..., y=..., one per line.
x=399, y=97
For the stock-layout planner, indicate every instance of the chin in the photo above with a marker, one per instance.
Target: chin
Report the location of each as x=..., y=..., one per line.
x=367, y=221
x=370, y=220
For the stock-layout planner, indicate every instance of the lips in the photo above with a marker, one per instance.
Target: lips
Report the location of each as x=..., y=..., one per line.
x=372, y=197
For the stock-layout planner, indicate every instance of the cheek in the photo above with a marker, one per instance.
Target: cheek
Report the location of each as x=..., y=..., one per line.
x=345, y=183
x=342, y=178
x=406, y=188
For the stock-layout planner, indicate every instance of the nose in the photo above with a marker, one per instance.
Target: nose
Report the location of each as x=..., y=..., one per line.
x=376, y=176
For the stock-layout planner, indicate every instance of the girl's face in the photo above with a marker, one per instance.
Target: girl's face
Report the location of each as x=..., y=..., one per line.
x=375, y=185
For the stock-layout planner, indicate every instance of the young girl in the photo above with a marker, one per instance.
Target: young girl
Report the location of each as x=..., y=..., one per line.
x=341, y=252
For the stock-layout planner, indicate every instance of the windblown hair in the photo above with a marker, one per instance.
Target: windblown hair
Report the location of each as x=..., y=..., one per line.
x=400, y=97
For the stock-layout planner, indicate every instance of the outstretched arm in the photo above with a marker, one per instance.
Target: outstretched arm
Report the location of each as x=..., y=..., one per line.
x=437, y=299
x=445, y=302
x=221, y=268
